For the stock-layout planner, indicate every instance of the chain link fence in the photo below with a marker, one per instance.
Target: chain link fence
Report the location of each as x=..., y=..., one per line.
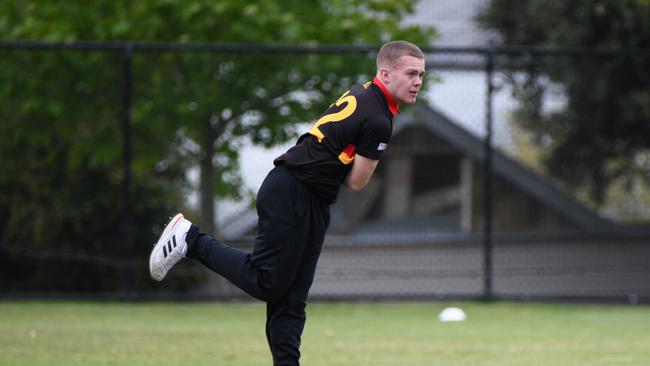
x=494, y=185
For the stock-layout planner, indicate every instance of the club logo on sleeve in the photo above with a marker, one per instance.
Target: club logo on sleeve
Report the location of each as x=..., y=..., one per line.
x=382, y=146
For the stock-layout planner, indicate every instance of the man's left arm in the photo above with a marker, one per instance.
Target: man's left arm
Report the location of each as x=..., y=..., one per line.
x=361, y=172
x=373, y=140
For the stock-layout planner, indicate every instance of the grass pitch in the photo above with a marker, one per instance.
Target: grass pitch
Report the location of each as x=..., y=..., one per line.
x=503, y=334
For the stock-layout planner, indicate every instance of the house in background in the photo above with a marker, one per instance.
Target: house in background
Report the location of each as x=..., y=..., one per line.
x=431, y=179
x=416, y=231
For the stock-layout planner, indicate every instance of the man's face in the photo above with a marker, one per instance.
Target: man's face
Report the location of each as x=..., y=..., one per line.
x=404, y=79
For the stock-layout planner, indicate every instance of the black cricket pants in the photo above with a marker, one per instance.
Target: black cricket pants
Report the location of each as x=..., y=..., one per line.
x=280, y=270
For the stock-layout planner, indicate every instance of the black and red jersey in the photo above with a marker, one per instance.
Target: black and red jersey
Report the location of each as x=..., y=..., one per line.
x=359, y=122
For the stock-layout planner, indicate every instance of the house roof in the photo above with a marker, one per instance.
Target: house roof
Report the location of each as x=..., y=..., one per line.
x=505, y=167
x=422, y=115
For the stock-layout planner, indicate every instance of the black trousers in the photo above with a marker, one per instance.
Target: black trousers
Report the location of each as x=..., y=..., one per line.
x=280, y=270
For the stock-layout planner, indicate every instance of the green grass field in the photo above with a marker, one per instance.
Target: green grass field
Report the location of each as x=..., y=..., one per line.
x=60, y=333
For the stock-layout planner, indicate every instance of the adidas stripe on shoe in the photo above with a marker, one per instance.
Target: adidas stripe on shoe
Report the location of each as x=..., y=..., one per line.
x=170, y=248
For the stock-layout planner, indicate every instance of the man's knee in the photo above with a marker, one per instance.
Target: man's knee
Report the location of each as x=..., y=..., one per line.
x=273, y=288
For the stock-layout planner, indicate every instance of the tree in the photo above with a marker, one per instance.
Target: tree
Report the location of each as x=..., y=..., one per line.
x=61, y=109
x=60, y=172
x=262, y=96
x=601, y=135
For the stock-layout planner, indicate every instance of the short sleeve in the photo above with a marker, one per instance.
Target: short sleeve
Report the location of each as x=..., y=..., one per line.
x=375, y=134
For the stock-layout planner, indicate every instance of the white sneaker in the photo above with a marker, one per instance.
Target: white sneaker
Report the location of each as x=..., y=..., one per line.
x=170, y=248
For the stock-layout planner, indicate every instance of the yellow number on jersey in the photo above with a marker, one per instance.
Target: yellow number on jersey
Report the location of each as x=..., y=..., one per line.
x=344, y=113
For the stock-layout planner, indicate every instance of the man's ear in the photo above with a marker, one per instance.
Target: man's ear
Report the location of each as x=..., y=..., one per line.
x=384, y=75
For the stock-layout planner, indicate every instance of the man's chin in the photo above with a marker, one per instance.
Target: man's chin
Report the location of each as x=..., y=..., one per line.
x=411, y=100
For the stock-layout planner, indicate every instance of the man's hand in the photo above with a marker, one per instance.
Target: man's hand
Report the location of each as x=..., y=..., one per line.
x=359, y=176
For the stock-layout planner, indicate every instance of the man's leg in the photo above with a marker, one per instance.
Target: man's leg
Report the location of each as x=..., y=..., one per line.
x=270, y=269
x=231, y=263
x=286, y=316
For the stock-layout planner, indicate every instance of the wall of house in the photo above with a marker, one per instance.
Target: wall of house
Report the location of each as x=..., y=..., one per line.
x=612, y=265
x=422, y=177
x=513, y=209
x=569, y=265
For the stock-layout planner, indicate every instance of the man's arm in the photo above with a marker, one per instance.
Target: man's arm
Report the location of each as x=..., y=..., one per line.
x=359, y=176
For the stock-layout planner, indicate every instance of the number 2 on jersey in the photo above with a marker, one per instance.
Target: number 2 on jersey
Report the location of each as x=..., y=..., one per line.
x=344, y=113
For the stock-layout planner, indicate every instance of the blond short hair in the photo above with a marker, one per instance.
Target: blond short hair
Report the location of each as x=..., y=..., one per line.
x=391, y=51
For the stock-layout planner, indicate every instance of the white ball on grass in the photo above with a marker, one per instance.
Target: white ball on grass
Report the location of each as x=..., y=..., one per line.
x=452, y=314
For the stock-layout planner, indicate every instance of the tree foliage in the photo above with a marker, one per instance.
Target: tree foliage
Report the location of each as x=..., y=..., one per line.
x=601, y=133
x=60, y=110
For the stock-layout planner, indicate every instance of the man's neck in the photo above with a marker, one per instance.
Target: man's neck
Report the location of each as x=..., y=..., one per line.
x=393, y=107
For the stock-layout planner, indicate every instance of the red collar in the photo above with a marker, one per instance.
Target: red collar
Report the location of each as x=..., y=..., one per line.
x=392, y=106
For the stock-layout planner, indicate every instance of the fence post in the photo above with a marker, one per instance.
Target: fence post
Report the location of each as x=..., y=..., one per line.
x=126, y=224
x=487, y=188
